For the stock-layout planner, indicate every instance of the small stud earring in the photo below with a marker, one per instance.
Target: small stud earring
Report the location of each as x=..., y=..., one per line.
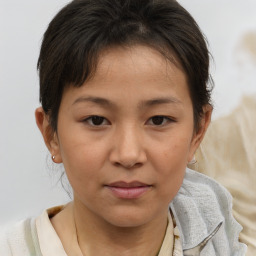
x=53, y=159
x=193, y=161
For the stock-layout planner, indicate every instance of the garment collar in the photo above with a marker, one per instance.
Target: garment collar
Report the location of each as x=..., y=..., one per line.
x=197, y=208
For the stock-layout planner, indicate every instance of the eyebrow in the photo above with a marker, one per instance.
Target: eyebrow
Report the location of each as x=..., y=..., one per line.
x=97, y=100
x=146, y=103
x=160, y=101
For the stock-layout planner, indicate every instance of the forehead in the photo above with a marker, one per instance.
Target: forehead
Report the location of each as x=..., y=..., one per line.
x=137, y=72
x=137, y=60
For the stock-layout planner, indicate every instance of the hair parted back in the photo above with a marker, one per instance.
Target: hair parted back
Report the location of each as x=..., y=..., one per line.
x=84, y=28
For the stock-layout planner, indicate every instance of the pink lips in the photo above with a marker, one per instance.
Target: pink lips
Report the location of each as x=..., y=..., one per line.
x=131, y=190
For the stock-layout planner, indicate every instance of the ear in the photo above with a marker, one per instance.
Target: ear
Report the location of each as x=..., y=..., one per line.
x=49, y=135
x=198, y=136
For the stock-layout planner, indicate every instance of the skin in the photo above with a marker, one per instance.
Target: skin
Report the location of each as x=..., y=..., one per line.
x=135, y=84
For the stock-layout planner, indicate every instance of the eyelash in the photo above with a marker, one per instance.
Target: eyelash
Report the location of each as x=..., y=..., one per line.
x=89, y=120
x=166, y=120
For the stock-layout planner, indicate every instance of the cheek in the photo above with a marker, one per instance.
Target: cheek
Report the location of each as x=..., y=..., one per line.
x=82, y=160
x=83, y=169
x=173, y=162
x=170, y=164
x=174, y=151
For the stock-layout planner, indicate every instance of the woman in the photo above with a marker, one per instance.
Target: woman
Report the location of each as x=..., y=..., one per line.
x=125, y=105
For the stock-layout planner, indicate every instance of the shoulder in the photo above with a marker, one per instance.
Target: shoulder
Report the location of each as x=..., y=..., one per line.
x=4, y=246
x=18, y=240
x=13, y=239
x=202, y=188
x=200, y=193
x=200, y=207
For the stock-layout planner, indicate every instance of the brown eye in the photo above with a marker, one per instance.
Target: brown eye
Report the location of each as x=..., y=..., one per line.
x=96, y=120
x=158, y=120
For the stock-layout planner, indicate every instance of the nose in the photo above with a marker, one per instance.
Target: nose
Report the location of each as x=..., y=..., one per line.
x=128, y=150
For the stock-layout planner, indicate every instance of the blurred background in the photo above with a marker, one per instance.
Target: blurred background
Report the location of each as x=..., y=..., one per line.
x=28, y=181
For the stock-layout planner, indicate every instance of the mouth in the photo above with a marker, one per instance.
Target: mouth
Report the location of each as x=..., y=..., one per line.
x=128, y=190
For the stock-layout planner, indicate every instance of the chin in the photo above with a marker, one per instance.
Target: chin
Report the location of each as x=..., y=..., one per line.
x=128, y=218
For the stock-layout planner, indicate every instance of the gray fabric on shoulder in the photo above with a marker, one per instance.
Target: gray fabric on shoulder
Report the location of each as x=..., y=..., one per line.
x=199, y=207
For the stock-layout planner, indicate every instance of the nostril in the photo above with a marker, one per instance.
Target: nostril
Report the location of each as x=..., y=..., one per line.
x=128, y=166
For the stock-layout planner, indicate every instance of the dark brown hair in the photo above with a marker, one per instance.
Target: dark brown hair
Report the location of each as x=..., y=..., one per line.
x=82, y=29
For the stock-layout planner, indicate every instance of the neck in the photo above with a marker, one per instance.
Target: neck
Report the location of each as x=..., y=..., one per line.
x=98, y=237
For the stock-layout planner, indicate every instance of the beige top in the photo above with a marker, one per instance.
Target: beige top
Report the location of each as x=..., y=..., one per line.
x=228, y=154
x=50, y=243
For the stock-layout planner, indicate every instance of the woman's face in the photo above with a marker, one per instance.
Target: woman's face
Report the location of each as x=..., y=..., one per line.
x=126, y=136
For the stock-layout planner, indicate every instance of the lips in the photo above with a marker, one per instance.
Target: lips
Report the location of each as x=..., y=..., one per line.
x=128, y=190
x=123, y=184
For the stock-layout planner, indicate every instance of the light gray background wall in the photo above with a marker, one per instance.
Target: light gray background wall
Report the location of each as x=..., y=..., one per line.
x=27, y=180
